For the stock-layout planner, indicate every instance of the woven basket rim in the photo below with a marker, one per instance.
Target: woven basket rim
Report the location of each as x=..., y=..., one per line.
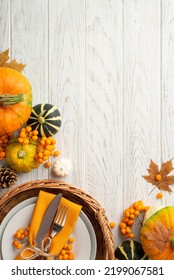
x=91, y=207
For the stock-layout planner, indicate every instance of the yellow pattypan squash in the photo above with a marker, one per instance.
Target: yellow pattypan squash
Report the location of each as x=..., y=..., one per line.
x=21, y=157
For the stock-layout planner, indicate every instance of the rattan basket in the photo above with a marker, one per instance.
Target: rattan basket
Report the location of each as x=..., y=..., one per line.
x=94, y=211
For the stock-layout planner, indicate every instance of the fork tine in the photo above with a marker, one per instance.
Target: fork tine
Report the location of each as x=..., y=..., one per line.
x=61, y=214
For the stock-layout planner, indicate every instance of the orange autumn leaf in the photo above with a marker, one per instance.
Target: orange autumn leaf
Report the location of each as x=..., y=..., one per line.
x=159, y=177
x=4, y=62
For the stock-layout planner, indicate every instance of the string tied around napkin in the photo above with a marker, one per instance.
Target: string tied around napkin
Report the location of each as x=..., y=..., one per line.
x=37, y=252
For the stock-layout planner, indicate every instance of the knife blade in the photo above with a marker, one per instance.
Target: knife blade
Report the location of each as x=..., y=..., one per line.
x=47, y=220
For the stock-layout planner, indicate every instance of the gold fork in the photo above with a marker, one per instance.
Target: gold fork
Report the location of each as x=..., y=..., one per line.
x=58, y=223
x=59, y=220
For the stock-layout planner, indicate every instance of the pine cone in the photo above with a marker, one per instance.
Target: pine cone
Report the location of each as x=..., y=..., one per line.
x=8, y=177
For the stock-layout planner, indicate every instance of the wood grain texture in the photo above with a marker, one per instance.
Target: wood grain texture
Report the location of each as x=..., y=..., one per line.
x=142, y=97
x=104, y=104
x=4, y=25
x=167, y=73
x=29, y=43
x=67, y=80
x=108, y=66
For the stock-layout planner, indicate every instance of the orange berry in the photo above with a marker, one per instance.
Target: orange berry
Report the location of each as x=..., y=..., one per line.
x=18, y=245
x=53, y=141
x=2, y=154
x=131, y=216
x=22, y=134
x=130, y=222
x=40, y=155
x=63, y=252
x=71, y=240
x=17, y=235
x=35, y=132
x=15, y=242
x=158, y=177
x=125, y=220
x=42, y=142
x=45, y=157
x=47, y=164
x=26, y=141
x=56, y=153
x=138, y=207
x=128, y=230
x=136, y=213
x=112, y=224
x=20, y=140
x=65, y=257
x=46, y=153
x=70, y=247
x=48, y=141
x=159, y=195
x=22, y=236
x=71, y=256
x=131, y=210
x=127, y=213
x=40, y=160
x=123, y=231
x=34, y=137
x=28, y=128
x=131, y=235
x=122, y=225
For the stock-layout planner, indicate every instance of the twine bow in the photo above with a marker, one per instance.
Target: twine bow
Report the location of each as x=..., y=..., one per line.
x=37, y=252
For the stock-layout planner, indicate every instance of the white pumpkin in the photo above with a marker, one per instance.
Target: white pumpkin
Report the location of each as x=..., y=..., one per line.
x=62, y=167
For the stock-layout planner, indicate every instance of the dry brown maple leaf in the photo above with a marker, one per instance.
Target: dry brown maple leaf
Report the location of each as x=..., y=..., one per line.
x=160, y=236
x=160, y=178
x=4, y=57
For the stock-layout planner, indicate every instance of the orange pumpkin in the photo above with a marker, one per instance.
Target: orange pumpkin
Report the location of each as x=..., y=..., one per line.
x=15, y=100
x=157, y=235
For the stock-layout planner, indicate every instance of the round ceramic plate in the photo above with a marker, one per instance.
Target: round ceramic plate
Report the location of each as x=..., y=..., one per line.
x=84, y=247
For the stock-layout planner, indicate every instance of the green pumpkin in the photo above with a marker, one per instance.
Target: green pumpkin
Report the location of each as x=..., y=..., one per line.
x=130, y=250
x=46, y=119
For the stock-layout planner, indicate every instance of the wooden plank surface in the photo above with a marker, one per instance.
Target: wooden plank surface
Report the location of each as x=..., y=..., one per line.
x=108, y=66
x=104, y=104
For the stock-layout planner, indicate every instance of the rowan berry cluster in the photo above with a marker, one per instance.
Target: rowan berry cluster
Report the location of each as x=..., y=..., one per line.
x=46, y=148
x=66, y=252
x=3, y=143
x=45, y=145
x=26, y=134
x=129, y=218
x=19, y=237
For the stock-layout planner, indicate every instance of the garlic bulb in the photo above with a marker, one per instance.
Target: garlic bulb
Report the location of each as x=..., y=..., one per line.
x=62, y=167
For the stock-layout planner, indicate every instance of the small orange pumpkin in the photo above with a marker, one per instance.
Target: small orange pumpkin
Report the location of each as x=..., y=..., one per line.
x=157, y=235
x=15, y=100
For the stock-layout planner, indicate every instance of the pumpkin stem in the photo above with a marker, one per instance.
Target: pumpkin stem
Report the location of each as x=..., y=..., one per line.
x=40, y=118
x=21, y=153
x=172, y=243
x=10, y=99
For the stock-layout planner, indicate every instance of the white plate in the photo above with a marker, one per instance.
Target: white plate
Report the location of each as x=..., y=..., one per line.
x=84, y=247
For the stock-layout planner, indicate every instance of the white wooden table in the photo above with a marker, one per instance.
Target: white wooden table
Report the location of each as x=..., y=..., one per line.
x=108, y=65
